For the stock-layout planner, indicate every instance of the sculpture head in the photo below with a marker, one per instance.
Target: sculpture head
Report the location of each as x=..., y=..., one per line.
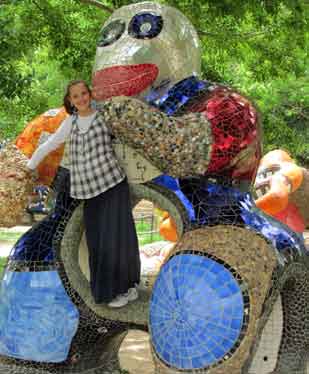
x=278, y=176
x=142, y=46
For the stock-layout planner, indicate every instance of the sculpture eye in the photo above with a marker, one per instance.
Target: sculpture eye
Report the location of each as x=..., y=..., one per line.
x=145, y=26
x=111, y=32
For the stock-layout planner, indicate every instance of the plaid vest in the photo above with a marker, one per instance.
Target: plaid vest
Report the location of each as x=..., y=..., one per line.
x=94, y=166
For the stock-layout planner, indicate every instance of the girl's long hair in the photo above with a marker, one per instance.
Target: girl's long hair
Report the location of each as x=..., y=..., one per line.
x=66, y=100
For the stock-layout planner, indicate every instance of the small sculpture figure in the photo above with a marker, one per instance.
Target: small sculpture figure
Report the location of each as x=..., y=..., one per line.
x=280, y=188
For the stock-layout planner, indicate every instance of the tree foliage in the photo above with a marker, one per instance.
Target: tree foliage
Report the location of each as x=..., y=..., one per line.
x=259, y=47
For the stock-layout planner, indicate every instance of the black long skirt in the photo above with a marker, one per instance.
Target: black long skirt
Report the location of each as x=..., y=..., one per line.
x=112, y=243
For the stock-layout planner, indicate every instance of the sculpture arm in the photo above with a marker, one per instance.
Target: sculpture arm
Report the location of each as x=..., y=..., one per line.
x=178, y=146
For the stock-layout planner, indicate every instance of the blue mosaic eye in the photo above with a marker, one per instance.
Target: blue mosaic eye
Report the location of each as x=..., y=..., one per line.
x=145, y=26
x=111, y=32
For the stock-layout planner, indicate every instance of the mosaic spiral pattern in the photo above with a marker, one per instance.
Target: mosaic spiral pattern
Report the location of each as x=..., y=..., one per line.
x=196, y=312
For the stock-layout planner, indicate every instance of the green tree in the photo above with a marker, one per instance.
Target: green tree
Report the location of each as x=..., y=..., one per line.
x=42, y=46
x=260, y=47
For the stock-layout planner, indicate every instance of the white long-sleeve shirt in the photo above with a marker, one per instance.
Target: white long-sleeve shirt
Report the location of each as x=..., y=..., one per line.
x=59, y=137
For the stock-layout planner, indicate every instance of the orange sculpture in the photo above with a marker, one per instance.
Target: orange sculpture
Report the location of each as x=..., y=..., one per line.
x=278, y=179
x=40, y=127
x=167, y=228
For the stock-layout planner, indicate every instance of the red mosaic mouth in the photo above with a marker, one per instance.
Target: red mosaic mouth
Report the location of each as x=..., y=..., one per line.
x=126, y=80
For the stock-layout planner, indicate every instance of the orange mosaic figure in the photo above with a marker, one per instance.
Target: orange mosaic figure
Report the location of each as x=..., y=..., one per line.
x=167, y=227
x=277, y=180
x=37, y=131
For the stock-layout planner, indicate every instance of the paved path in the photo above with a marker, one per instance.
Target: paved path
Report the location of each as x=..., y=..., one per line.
x=135, y=354
x=5, y=246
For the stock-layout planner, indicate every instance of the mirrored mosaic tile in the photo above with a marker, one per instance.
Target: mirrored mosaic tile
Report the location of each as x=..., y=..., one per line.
x=196, y=312
x=37, y=318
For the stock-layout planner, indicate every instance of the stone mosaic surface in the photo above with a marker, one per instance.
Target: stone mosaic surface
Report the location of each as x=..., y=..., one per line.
x=178, y=147
x=15, y=185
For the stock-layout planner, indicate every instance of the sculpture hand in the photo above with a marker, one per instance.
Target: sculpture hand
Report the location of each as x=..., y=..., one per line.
x=16, y=184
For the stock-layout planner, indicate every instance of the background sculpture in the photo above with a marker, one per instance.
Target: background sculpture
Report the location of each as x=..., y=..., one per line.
x=281, y=187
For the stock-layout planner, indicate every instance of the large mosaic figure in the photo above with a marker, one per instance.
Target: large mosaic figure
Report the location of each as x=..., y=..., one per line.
x=232, y=295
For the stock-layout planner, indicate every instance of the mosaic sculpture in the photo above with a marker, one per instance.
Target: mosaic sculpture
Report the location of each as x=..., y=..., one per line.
x=15, y=185
x=282, y=188
x=232, y=295
x=37, y=132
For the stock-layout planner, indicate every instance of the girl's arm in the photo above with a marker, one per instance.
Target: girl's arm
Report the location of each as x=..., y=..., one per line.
x=51, y=144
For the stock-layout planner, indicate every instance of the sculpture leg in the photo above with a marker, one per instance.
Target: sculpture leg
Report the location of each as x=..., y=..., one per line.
x=208, y=300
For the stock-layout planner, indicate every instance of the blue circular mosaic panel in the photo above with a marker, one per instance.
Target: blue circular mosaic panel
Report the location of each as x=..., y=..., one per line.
x=196, y=312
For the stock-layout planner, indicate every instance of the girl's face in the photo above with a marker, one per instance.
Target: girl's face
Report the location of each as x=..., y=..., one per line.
x=80, y=97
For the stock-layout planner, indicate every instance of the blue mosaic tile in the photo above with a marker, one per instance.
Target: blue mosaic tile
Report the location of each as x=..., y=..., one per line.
x=145, y=25
x=177, y=97
x=209, y=203
x=196, y=312
x=37, y=318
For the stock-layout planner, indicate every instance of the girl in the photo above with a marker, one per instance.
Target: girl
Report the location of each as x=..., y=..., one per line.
x=97, y=178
